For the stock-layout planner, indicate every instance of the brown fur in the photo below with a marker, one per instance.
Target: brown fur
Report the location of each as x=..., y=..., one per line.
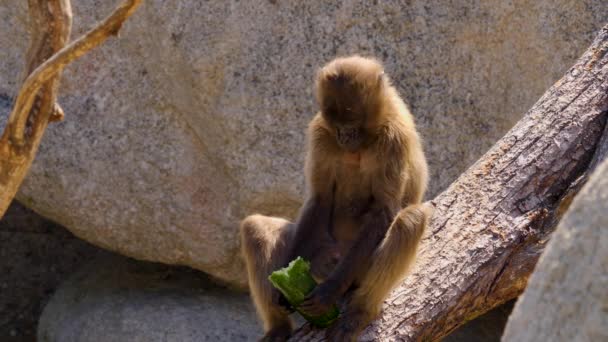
x=364, y=164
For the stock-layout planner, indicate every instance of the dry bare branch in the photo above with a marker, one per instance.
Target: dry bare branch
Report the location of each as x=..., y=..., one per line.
x=35, y=103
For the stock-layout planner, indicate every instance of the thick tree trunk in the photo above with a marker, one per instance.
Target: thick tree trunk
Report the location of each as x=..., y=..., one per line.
x=567, y=296
x=35, y=106
x=492, y=223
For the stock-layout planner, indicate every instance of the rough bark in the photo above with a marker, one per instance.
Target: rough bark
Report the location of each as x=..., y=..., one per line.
x=567, y=296
x=35, y=105
x=491, y=224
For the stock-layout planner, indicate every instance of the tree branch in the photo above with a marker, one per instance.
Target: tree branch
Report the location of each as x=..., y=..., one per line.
x=35, y=103
x=492, y=223
x=110, y=26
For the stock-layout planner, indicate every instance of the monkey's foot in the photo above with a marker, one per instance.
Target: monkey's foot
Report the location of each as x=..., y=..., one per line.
x=278, y=334
x=346, y=328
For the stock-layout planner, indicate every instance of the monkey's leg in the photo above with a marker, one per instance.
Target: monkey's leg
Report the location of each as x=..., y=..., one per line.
x=265, y=243
x=390, y=262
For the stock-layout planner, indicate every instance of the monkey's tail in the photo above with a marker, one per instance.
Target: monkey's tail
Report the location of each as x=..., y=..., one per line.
x=395, y=254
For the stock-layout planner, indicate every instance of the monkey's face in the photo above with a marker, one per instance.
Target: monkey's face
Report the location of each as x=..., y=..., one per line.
x=349, y=92
x=347, y=123
x=349, y=137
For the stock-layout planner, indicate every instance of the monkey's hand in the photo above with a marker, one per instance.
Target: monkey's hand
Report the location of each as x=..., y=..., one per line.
x=324, y=263
x=279, y=300
x=320, y=300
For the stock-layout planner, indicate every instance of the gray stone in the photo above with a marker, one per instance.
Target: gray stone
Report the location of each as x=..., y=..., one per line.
x=567, y=295
x=117, y=299
x=195, y=117
x=35, y=256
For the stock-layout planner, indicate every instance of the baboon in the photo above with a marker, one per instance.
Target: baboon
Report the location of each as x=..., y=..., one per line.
x=363, y=217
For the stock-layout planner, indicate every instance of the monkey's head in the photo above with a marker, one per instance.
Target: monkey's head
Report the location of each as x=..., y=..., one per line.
x=349, y=93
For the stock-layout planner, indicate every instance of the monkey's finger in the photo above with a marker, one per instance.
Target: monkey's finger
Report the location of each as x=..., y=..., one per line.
x=313, y=308
x=283, y=310
x=284, y=304
x=310, y=299
x=307, y=305
x=314, y=312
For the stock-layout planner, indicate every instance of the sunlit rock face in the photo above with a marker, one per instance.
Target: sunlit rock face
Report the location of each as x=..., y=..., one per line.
x=195, y=116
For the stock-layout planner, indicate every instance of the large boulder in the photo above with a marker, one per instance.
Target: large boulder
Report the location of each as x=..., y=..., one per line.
x=116, y=299
x=195, y=117
x=567, y=295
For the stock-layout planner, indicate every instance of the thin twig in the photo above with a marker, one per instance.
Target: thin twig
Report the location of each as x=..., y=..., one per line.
x=35, y=107
x=110, y=26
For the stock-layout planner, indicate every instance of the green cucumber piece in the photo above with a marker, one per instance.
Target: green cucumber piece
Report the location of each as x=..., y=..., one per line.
x=295, y=283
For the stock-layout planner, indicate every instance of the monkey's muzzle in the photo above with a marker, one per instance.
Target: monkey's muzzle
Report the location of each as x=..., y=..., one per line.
x=349, y=138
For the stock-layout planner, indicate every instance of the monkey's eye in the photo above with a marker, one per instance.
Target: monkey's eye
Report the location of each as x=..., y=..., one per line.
x=330, y=112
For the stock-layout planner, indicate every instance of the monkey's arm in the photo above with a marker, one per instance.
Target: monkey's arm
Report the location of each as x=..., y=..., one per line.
x=355, y=264
x=315, y=215
x=313, y=222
